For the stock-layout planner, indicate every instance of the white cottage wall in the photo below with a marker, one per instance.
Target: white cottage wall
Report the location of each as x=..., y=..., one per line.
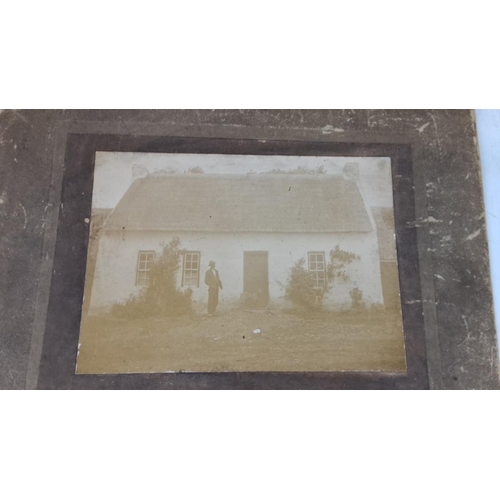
x=115, y=275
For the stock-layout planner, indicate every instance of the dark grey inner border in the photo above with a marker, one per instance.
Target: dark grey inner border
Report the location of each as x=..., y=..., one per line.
x=62, y=325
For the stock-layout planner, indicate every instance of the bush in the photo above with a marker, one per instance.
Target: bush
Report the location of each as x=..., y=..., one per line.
x=162, y=297
x=301, y=289
x=358, y=303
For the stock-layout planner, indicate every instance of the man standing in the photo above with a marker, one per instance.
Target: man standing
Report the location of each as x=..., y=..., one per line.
x=213, y=282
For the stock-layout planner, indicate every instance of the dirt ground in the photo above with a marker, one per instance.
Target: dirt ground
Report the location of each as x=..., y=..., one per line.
x=227, y=342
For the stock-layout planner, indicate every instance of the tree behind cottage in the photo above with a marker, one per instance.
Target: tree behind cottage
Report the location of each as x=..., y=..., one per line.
x=161, y=297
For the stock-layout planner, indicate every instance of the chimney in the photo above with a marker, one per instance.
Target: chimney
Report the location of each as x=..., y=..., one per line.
x=139, y=171
x=351, y=172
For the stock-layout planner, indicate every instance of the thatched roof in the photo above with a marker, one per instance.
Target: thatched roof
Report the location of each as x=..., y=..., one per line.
x=239, y=203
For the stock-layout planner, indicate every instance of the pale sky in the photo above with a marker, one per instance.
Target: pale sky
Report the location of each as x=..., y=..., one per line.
x=113, y=171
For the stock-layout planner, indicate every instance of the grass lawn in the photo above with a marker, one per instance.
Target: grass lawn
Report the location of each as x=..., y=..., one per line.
x=286, y=342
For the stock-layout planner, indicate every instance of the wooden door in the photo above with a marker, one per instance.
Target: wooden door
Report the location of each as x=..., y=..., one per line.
x=255, y=279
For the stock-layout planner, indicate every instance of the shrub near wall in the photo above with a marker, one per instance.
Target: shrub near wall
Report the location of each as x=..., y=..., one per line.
x=301, y=289
x=161, y=298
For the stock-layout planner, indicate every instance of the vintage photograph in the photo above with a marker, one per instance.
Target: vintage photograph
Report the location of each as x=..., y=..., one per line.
x=241, y=263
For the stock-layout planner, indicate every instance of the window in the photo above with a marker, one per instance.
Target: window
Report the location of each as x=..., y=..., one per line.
x=317, y=268
x=191, y=269
x=144, y=263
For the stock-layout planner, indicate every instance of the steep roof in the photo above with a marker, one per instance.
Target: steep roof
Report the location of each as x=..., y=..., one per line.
x=236, y=203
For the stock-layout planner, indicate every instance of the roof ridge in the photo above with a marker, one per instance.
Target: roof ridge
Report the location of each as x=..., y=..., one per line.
x=284, y=175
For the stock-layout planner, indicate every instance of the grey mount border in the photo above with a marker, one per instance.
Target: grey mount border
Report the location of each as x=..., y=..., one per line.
x=231, y=132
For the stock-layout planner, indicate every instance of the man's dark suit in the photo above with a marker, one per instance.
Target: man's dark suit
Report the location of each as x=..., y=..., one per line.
x=212, y=280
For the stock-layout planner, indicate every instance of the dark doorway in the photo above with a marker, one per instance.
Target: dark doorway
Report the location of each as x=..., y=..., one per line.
x=255, y=279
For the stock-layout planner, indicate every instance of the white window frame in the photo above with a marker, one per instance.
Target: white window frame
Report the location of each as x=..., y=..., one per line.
x=187, y=267
x=317, y=268
x=144, y=267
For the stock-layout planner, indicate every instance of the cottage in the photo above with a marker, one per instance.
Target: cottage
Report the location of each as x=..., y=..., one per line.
x=254, y=226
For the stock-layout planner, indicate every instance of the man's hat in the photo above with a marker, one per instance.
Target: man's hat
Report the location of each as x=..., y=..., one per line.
x=211, y=262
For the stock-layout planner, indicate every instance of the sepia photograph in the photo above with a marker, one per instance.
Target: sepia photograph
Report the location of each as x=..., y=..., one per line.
x=241, y=263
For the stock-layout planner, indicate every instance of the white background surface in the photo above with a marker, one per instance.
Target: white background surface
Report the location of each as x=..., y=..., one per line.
x=265, y=445
x=488, y=127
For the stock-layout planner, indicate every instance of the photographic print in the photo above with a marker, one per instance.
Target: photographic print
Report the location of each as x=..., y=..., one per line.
x=241, y=263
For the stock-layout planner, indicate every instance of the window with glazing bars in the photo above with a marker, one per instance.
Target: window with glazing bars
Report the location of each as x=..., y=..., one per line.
x=144, y=263
x=317, y=267
x=191, y=269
